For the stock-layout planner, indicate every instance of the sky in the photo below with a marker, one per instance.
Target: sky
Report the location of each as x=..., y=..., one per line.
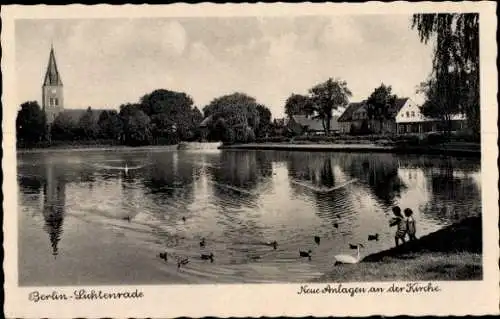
x=108, y=62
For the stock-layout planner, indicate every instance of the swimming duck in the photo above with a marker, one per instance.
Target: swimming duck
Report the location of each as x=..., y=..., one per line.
x=255, y=257
x=317, y=239
x=208, y=257
x=373, y=237
x=336, y=225
x=274, y=244
x=183, y=219
x=202, y=242
x=163, y=256
x=305, y=254
x=182, y=262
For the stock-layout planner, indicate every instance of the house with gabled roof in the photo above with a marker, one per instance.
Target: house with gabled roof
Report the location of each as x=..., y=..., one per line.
x=314, y=126
x=352, y=117
x=410, y=119
x=356, y=115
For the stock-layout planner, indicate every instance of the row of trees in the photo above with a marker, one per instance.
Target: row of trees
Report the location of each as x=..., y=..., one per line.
x=160, y=117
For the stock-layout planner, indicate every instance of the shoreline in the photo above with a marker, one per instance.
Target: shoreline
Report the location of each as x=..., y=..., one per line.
x=302, y=147
x=451, y=253
x=91, y=148
x=372, y=148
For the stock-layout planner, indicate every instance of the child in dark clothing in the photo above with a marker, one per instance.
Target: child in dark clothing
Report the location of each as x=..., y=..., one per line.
x=400, y=221
x=411, y=224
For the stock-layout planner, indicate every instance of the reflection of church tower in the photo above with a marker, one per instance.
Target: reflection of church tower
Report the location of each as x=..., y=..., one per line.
x=53, y=212
x=52, y=90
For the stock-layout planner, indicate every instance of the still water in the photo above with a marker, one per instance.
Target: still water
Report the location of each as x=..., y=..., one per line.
x=85, y=220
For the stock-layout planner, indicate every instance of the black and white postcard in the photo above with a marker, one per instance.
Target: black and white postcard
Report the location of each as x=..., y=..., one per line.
x=250, y=160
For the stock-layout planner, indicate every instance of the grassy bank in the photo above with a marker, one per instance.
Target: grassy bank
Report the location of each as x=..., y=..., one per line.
x=452, y=253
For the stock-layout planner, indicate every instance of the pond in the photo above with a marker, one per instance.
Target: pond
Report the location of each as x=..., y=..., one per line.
x=102, y=217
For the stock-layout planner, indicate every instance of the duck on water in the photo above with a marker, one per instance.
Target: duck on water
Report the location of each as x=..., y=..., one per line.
x=208, y=257
x=305, y=253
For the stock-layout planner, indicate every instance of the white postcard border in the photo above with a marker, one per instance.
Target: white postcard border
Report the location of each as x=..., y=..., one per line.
x=455, y=298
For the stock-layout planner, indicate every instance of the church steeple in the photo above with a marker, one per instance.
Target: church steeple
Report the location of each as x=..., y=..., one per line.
x=52, y=90
x=52, y=76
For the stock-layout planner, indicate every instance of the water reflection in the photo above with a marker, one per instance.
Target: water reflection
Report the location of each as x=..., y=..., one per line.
x=53, y=187
x=237, y=200
x=378, y=171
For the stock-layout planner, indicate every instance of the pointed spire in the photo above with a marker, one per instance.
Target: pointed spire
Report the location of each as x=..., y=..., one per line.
x=52, y=76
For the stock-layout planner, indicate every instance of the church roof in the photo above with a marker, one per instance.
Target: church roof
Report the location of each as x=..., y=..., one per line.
x=75, y=114
x=52, y=76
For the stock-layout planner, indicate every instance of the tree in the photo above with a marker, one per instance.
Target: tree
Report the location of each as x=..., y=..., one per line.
x=328, y=96
x=110, y=125
x=453, y=85
x=298, y=104
x=176, y=106
x=196, y=119
x=239, y=111
x=63, y=128
x=264, y=121
x=87, y=126
x=30, y=122
x=196, y=116
x=136, y=125
x=379, y=103
x=163, y=127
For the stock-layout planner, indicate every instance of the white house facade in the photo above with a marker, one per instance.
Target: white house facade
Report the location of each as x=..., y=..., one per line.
x=410, y=119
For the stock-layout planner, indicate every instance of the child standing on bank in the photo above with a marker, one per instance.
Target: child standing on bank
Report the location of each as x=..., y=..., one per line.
x=411, y=224
x=400, y=221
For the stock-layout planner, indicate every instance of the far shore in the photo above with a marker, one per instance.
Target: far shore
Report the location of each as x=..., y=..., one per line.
x=452, y=253
x=453, y=149
x=87, y=148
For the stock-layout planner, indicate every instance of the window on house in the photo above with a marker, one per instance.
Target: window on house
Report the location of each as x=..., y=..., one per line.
x=412, y=113
x=55, y=101
x=407, y=114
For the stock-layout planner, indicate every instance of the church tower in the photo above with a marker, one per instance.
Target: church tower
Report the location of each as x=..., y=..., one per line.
x=52, y=90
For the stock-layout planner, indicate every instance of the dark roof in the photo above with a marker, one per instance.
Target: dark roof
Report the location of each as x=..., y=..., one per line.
x=76, y=114
x=206, y=121
x=353, y=107
x=313, y=124
x=347, y=115
x=398, y=104
x=52, y=77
